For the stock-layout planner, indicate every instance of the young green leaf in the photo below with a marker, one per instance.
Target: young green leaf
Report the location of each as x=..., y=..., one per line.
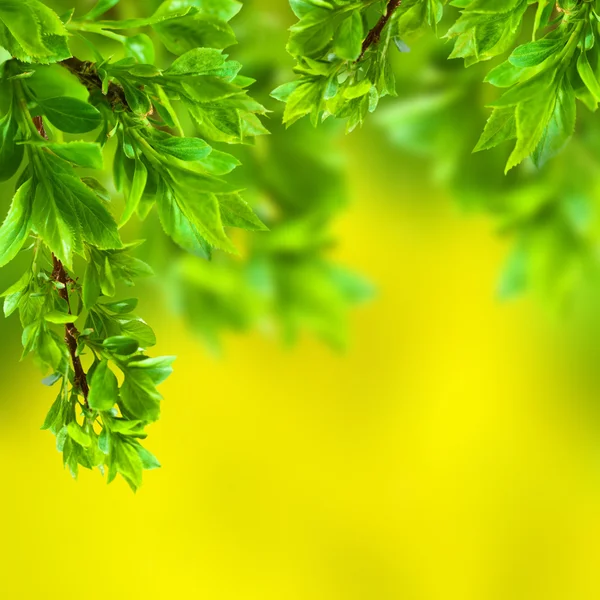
x=82, y=154
x=121, y=345
x=11, y=153
x=16, y=226
x=104, y=391
x=71, y=115
x=32, y=32
x=188, y=149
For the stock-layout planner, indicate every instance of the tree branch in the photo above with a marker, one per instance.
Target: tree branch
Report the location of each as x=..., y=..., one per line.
x=85, y=71
x=71, y=333
x=375, y=34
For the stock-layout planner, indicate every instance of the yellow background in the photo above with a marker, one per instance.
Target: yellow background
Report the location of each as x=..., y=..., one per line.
x=450, y=453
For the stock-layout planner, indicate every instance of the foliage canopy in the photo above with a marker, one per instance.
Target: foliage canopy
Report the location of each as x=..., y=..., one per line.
x=66, y=103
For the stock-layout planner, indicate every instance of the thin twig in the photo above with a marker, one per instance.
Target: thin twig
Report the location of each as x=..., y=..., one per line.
x=71, y=333
x=375, y=34
x=39, y=125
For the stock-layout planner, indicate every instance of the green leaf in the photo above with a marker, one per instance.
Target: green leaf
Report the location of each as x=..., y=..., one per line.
x=120, y=344
x=203, y=61
x=104, y=390
x=535, y=87
x=139, y=397
x=535, y=53
x=176, y=11
x=532, y=119
x=107, y=278
x=11, y=153
x=149, y=461
x=127, y=462
x=104, y=441
x=124, y=426
x=193, y=220
x=82, y=154
x=135, y=191
x=504, y=75
x=94, y=223
x=55, y=222
x=501, y=126
x=99, y=9
x=588, y=76
x=157, y=368
x=16, y=226
x=97, y=188
x=54, y=420
x=303, y=100
x=59, y=318
x=138, y=329
x=284, y=91
x=559, y=129
x=188, y=149
x=349, y=37
x=137, y=99
x=358, y=90
x=219, y=163
x=192, y=31
x=91, y=285
x=32, y=32
x=140, y=47
x=122, y=306
x=235, y=212
x=71, y=115
x=15, y=293
x=77, y=434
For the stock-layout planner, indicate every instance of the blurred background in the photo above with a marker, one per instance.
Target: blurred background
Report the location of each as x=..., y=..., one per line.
x=440, y=439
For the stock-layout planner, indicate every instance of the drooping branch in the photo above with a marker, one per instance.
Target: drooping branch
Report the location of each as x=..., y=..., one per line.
x=375, y=34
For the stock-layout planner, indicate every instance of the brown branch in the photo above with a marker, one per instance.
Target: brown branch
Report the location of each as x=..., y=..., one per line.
x=39, y=125
x=71, y=333
x=85, y=71
x=375, y=34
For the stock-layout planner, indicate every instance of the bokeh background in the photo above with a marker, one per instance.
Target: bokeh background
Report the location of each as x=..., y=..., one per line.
x=451, y=451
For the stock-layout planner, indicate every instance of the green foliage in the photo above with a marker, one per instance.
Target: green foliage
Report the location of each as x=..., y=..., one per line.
x=342, y=76
x=173, y=122
x=107, y=381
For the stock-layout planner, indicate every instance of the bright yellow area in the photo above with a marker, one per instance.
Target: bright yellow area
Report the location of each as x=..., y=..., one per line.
x=445, y=455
